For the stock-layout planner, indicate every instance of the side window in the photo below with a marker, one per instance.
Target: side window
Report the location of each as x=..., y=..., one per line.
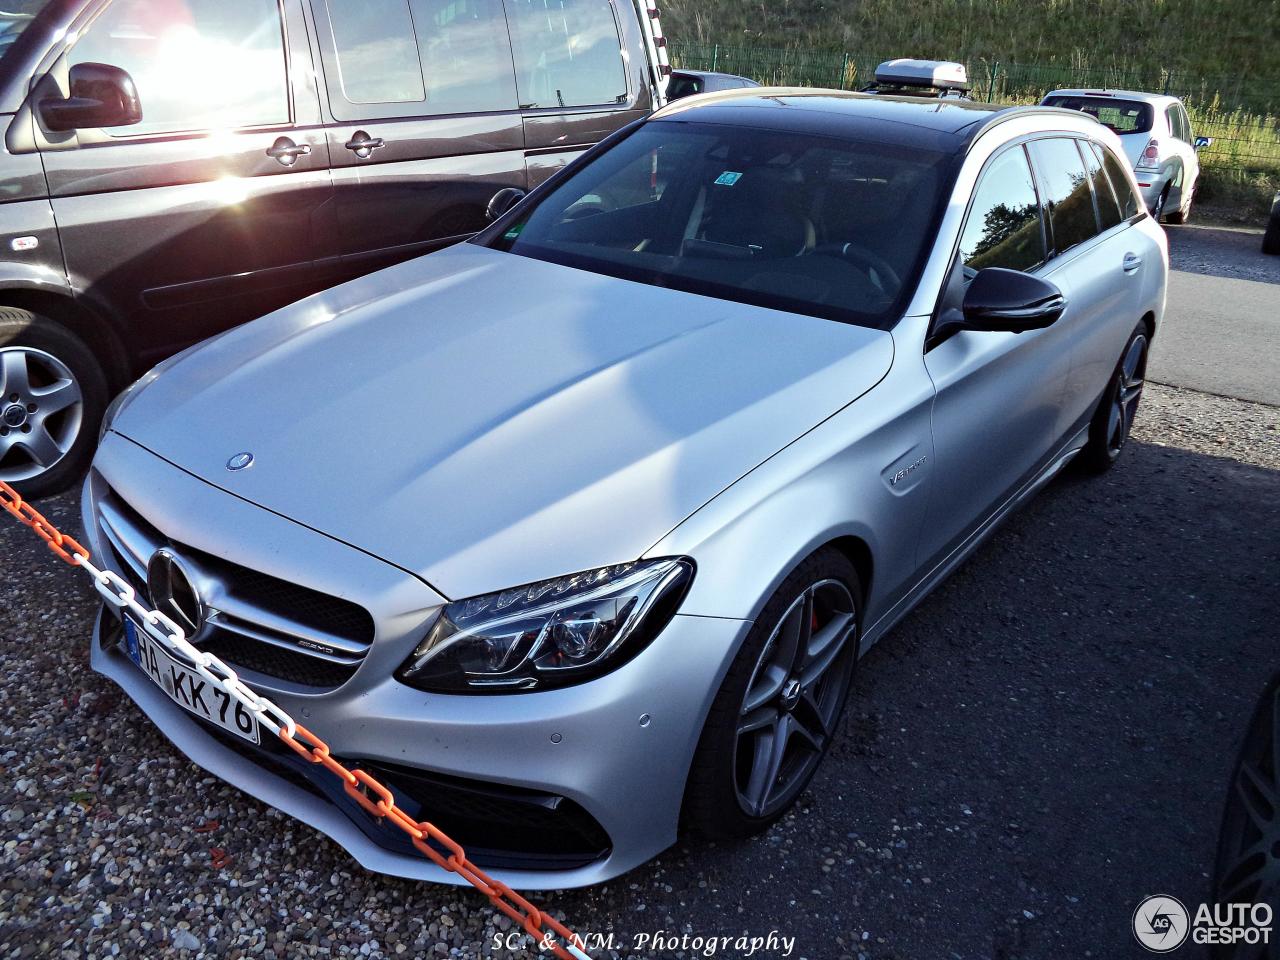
x=568, y=53
x=197, y=64
x=1066, y=192
x=419, y=57
x=1003, y=229
x=1108, y=208
x=377, y=52
x=466, y=53
x=1129, y=204
x=1175, y=124
x=1186, y=124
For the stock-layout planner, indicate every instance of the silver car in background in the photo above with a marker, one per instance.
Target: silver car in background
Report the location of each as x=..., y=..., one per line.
x=1155, y=132
x=572, y=534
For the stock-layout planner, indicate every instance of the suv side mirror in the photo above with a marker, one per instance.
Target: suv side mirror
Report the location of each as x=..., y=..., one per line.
x=1203, y=142
x=101, y=96
x=1011, y=301
x=502, y=201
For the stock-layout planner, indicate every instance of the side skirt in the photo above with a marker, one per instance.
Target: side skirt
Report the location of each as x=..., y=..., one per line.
x=944, y=567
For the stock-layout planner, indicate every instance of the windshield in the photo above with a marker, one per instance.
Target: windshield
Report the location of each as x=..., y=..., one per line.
x=827, y=227
x=1121, y=116
x=15, y=16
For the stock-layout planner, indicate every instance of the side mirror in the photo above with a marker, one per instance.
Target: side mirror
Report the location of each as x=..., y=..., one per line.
x=101, y=96
x=502, y=201
x=1203, y=142
x=1011, y=301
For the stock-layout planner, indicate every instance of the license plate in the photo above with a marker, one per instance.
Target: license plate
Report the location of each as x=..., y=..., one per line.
x=187, y=688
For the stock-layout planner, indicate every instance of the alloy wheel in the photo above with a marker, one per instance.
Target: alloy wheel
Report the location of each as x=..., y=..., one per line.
x=41, y=412
x=1249, y=848
x=1126, y=394
x=793, y=699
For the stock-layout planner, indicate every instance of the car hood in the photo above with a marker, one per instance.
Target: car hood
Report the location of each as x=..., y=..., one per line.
x=485, y=420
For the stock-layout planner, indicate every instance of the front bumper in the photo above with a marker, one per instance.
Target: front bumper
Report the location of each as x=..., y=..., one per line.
x=618, y=747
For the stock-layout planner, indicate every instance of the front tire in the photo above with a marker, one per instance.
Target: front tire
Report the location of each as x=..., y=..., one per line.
x=52, y=397
x=1113, y=421
x=777, y=711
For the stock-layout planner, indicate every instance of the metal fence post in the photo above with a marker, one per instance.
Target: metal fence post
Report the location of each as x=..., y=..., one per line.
x=991, y=87
x=715, y=58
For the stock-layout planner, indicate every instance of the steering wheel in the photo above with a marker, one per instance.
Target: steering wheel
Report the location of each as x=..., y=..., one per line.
x=864, y=258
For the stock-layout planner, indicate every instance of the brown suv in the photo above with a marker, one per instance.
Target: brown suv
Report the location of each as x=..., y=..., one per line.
x=172, y=168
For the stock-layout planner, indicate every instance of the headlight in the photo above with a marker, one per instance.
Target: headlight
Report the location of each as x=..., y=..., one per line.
x=548, y=634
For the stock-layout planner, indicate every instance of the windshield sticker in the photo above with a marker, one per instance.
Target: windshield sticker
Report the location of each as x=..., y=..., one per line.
x=514, y=232
x=728, y=179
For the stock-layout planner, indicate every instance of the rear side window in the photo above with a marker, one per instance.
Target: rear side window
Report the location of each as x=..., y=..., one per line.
x=568, y=53
x=1108, y=209
x=377, y=52
x=1122, y=116
x=1125, y=195
x=1066, y=192
x=466, y=53
x=1003, y=229
x=197, y=64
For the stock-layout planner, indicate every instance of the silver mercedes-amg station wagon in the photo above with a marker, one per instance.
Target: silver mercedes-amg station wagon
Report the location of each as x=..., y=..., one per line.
x=572, y=534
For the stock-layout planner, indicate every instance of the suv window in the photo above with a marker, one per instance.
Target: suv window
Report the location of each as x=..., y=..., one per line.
x=466, y=53
x=1128, y=200
x=428, y=56
x=377, y=55
x=568, y=54
x=1066, y=192
x=1175, y=123
x=1004, y=229
x=197, y=64
x=1108, y=208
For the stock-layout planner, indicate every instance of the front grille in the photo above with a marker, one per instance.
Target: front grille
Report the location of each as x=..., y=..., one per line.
x=273, y=661
x=256, y=622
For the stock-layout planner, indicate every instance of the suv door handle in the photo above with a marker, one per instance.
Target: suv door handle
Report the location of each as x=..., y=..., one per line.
x=1131, y=262
x=363, y=145
x=288, y=152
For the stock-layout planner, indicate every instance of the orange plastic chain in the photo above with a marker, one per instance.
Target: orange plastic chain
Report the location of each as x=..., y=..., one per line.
x=363, y=788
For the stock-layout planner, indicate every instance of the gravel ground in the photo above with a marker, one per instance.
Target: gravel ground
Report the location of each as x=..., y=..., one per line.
x=1041, y=745
x=1234, y=252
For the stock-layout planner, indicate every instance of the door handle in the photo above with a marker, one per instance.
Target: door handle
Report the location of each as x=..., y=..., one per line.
x=1131, y=262
x=288, y=152
x=363, y=145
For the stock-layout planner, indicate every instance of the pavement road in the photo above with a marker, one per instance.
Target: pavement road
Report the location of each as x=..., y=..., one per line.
x=1222, y=325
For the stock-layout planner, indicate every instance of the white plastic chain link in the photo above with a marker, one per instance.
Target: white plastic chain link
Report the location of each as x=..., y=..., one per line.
x=169, y=635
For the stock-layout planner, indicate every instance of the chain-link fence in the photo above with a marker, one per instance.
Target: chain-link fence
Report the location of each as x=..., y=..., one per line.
x=1241, y=118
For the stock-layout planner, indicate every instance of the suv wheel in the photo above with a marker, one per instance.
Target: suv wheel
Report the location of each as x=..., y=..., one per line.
x=778, y=708
x=52, y=397
x=1109, y=431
